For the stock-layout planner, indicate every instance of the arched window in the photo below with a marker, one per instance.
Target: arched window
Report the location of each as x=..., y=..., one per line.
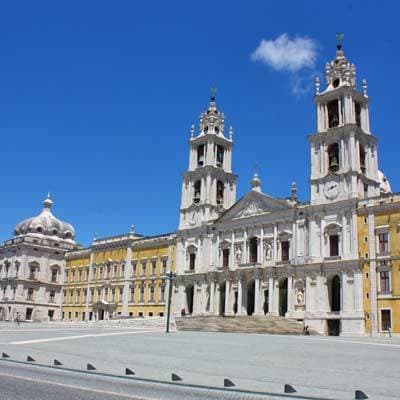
x=220, y=156
x=197, y=192
x=220, y=192
x=333, y=113
x=333, y=157
x=362, y=159
x=200, y=155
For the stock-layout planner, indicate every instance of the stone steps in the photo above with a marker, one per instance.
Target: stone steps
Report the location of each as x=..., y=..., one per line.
x=242, y=324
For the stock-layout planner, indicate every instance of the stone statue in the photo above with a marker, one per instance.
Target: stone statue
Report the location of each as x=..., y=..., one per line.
x=238, y=254
x=268, y=251
x=300, y=296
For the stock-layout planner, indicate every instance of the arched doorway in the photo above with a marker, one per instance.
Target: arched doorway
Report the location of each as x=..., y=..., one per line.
x=283, y=289
x=222, y=289
x=250, y=298
x=334, y=298
x=189, y=298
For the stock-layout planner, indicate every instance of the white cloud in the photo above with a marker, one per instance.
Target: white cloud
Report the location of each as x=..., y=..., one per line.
x=287, y=54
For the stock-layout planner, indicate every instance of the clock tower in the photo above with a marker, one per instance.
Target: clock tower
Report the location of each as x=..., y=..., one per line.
x=344, y=162
x=209, y=186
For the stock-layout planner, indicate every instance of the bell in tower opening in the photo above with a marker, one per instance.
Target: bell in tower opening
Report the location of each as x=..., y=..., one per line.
x=333, y=156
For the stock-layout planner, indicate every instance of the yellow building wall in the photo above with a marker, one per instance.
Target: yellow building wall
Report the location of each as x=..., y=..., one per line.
x=75, y=283
x=393, y=303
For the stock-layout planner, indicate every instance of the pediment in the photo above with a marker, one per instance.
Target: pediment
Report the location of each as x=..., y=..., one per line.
x=254, y=203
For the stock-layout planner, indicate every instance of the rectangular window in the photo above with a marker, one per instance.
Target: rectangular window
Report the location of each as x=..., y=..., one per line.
x=121, y=291
x=141, y=294
x=386, y=320
x=143, y=268
x=54, y=274
x=192, y=261
x=30, y=294
x=134, y=266
x=384, y=277
x=80, y=276
x=122, y=271
x=225, y=258
x=164, y=266
x=162, y=293
x=14, y=293
x=52, y=298
x=383, y=242
x=32, y=274
x=115, y=271
x=152, y=294
x=285, y=250
x=334, y=245
x=153, y=268
x=200, y=155
x=94, y=273
x=132, y=298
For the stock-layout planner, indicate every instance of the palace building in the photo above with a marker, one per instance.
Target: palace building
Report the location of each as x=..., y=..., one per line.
x=279, y=256
x=32, y=267
x=331, y=262
x=118, y=276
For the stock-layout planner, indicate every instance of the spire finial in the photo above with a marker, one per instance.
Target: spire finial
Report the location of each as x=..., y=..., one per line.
x=192, y=132
x=213, y=93
x=365, y=87
x=293, y=191
x=256, y=181
x=317, y=84
x=47, y=202
x=132, y=230
x=230, y=133
x=339, y=40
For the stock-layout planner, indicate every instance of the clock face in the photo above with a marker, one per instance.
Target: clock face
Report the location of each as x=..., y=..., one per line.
x=331, y=189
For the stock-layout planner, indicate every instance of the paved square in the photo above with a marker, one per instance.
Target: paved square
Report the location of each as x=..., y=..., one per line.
x=319, y=366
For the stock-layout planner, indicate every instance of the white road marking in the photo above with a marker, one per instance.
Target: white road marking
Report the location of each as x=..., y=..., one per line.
x=83, y=336
x=127, y=396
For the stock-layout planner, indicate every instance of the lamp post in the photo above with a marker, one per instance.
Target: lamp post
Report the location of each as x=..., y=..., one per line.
x=170, y=276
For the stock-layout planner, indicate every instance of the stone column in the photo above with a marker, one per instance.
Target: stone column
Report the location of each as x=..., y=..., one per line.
x=290, y=293
x=270, y=295
x=217, y=299
x=212, y=296
x=257, y=287
x=228, y=307
x=125, y=293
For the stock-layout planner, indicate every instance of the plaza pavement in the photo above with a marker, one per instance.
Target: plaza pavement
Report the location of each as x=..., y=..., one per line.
x=323, y=367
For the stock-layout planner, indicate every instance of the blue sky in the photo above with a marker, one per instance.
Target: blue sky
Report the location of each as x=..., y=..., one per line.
x=97, y=99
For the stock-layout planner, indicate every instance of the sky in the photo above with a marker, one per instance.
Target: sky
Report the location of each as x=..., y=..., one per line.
x=97, y=99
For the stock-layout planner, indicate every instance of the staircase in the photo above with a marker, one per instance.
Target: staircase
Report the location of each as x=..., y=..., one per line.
x=242, y=324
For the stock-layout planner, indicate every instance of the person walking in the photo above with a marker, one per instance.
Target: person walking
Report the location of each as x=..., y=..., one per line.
x=17, y=320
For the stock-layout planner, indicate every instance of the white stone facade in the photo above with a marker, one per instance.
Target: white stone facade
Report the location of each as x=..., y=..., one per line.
x=263, y=255
x=32, y=268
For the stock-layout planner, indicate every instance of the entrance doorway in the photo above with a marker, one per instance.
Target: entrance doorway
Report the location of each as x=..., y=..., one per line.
x=333, y=327
x=250, y=298
x=101, y=315
x=50, y=314
x=28, y=314
x=265, y=306
x=334, y=299
x=222, y=299
x=189, y=298
x=283, y=289
x=235, y=305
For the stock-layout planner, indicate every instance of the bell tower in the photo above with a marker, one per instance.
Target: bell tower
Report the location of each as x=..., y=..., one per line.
x=208, y=186
x=344, y=161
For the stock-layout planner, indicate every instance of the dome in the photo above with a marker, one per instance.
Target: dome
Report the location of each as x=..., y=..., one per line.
x=46, y=224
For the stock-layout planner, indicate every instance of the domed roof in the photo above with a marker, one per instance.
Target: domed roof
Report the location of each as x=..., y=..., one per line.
x=46, y=224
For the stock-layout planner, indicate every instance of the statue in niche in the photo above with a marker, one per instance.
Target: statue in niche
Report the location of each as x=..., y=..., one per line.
x=268, y=251
x=300, y=295
x=238, y=254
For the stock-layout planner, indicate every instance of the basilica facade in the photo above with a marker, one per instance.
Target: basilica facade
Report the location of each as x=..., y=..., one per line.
x=262, y=255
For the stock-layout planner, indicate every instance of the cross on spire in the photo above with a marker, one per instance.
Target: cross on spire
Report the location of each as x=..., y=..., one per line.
x=339, y=40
